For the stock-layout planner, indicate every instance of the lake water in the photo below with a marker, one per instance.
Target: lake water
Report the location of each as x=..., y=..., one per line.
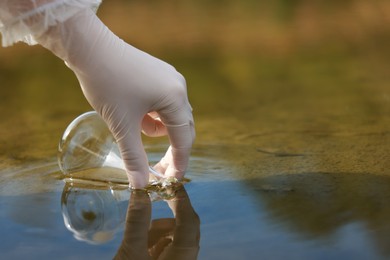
x=291, y=160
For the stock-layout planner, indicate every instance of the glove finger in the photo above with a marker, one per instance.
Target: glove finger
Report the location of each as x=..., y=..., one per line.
x=165, y=161
x=152, y=126
x=126, y=129
x=181, y=132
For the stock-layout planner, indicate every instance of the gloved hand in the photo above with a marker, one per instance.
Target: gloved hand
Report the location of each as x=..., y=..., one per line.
x=130, y=89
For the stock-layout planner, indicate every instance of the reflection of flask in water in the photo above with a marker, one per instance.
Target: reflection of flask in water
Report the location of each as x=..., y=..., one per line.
x=93, y=214
x=86, y=146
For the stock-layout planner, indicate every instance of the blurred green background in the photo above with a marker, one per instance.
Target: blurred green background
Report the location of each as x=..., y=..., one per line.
x=268, y=77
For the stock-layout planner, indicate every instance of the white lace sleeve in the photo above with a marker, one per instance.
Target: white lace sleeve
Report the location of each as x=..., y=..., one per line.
x=23, y=20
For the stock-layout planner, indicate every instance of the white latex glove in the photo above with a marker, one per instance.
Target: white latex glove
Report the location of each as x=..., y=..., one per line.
x=130, y=89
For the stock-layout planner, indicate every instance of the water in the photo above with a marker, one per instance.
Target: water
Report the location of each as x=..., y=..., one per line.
x=292, y=152
x=306, y=215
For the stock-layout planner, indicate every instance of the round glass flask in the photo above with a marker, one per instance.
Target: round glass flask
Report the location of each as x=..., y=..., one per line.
x=87, y=150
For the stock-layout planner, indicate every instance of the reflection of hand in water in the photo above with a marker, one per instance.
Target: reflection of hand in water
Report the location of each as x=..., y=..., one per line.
x=176, y=238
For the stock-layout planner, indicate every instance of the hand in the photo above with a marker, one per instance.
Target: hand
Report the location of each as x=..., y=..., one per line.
x=130, y=89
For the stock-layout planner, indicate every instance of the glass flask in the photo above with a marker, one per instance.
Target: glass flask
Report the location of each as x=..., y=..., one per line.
x=94, y=214
x=87, y=150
